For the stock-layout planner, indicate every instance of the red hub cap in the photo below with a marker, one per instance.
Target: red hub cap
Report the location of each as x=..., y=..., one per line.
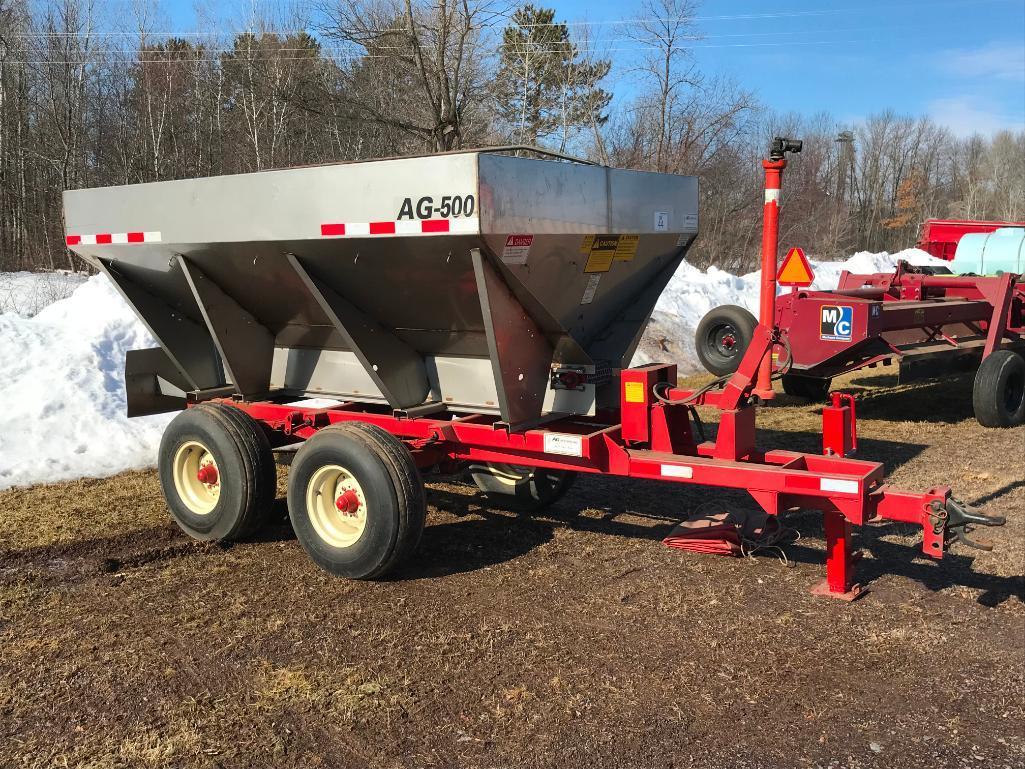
x=207, y=474
x=348, y=503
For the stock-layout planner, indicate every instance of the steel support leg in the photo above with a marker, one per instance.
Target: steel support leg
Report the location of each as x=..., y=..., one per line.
x=841, y=560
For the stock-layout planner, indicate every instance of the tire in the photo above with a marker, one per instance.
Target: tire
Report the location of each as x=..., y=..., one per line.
x=233, y=501
x=810, y=388
x=369, y=470
x=999, y=393
x=521, y=489
x=722, y=338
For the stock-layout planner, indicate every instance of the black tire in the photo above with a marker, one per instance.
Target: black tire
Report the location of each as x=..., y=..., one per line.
x=723, y=337
x=810, y=388
x=999, y=393
x=245, y=473
x=521, y=489
x=391, y=498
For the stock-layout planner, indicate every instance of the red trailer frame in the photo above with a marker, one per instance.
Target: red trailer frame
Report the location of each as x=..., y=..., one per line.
x=655, y=433
x=651, y=436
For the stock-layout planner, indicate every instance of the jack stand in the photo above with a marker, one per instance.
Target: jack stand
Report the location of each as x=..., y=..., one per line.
x=841, y=561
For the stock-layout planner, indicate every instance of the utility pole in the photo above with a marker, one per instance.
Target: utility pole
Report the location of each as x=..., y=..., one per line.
x=845, y=164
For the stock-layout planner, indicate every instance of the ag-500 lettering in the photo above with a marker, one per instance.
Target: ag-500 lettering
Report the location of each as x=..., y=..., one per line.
x=447, y=206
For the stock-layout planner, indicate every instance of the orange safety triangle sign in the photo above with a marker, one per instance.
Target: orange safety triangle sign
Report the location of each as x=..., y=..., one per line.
x=795, y=270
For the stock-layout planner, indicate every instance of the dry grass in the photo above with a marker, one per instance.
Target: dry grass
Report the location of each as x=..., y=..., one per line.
x=565, y=640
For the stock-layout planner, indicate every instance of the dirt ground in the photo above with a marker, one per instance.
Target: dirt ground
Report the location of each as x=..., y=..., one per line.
x=574, y=639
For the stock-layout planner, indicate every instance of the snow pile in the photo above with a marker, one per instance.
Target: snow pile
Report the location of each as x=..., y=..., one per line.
x=64, y=394
x=692, y=292
x=26, y=293
x=62, y=368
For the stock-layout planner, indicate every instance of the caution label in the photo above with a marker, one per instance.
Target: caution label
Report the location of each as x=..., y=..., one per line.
x=602, y=250
x=627, y=248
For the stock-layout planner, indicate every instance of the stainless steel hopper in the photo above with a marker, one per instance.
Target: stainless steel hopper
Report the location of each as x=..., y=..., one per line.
x=472, y=281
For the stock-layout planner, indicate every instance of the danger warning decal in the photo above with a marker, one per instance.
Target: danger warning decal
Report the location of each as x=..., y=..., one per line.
x=602, y=250
x=517, y=249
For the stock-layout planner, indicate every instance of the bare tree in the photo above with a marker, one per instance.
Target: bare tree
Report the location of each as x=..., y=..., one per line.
x=417, y=68
x=665, y=27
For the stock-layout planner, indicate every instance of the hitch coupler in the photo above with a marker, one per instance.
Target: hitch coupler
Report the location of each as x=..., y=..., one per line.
x=951, y=521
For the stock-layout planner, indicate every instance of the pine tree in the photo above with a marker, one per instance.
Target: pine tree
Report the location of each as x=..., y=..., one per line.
x=544, y=86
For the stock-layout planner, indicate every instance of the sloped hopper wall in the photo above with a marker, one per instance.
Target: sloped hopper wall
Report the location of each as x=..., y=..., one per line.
x=474, y=321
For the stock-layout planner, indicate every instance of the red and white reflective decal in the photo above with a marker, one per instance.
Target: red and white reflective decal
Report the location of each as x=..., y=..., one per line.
x=404, y=227
x=112, y=238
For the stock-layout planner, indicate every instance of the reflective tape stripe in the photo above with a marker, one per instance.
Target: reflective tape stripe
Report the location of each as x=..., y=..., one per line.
x=677, y=471
x=400, y=227
x=839, y=485
x=112, y=238
x=771, y=195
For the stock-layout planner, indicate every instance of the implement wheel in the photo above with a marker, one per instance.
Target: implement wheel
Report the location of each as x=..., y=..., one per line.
x=356, y=500
x=999, y=394
x=723, y=337
x=810, y=388
x=521, y=489
x=217, y=473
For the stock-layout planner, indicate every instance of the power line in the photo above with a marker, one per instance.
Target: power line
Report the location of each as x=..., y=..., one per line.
x=930, y=4
x=355, y=57
x=597, y=48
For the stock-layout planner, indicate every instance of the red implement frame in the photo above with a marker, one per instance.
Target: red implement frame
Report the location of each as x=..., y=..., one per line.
x=651, y=437
x=903, y=315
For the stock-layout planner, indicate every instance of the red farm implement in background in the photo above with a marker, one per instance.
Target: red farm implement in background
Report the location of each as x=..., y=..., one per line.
x=927, y=320
x=370, y=355
x=940, y=237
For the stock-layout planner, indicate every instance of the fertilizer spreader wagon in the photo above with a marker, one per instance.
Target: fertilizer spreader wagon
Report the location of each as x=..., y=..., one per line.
x=473, y=309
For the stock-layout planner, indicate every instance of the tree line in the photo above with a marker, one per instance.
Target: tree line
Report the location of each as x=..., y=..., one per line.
x=89, y=101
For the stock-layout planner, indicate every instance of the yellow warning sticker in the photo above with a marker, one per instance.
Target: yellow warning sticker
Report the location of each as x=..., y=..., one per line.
x=627, y=247
x=635, y=392
x=603, y=251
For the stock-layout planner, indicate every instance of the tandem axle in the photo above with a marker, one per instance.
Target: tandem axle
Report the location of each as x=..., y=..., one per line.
x=651, y=436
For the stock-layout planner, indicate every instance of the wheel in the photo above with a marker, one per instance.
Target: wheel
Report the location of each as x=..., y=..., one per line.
x=522, y=489
x=807, y=387
x=217, y=472
x=723, y=337
x=356, y=500
x=999, y=393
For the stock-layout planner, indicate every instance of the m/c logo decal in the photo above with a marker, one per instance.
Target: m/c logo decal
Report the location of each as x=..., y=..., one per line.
x=837, y=324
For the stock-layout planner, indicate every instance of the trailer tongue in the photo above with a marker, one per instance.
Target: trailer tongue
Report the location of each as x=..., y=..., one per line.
x=466, y=309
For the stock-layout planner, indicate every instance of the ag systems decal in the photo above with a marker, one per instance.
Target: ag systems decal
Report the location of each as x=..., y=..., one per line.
x=837, y=323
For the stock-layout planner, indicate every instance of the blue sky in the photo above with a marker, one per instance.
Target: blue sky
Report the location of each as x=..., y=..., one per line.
x=960, y=61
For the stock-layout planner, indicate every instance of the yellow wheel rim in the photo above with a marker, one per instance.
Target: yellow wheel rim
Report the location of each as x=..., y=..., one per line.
x=337, y=506
x=197, y=478
x=509, y=475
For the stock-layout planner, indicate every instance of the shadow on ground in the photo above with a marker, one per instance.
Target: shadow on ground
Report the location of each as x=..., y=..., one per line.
x=468, y=545
x=947, y=400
